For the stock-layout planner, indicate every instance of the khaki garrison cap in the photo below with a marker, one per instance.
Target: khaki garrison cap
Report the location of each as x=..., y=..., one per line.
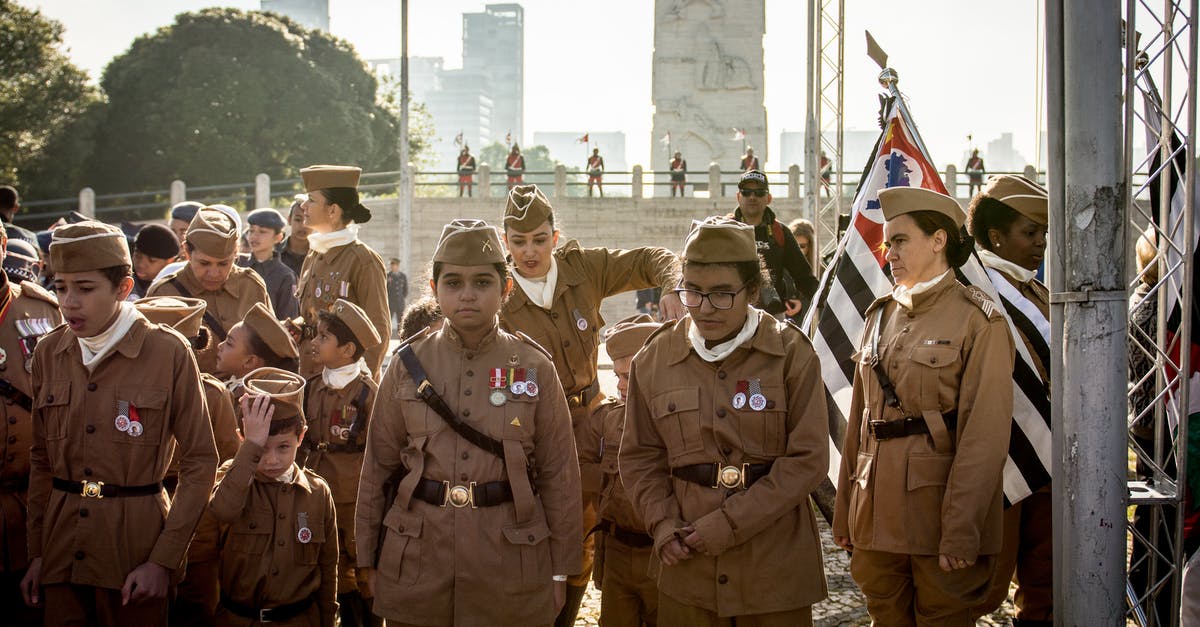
x=88, y=245
x=285, y=389
x=213, y=233
x=720, y=240
x=1023, y=195
x=897, y=201
x=357, y=321
x=329, y=176
x=260, y=320
x=185, y=315
x=527, y=209
x=626, y=337
x=466, y=242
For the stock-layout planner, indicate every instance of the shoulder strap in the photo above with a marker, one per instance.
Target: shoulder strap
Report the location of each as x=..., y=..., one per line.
x=214, y=325
x=426, y=392
x=361, y=417
x=885, y=382
x=777, y=231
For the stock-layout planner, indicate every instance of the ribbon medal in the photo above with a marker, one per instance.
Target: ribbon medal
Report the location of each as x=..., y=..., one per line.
x=349, y=414
x=580, y=322
x=758, y=402
x=531, y=386
x=518, y=381
x=135, y=421
x=122, y=421
x=304, y=535
x=3, y=358
x=739, y=399
x=497, y=381
x=335, y=424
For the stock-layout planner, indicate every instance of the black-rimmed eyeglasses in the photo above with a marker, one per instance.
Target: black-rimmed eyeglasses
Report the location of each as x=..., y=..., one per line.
x=695, y=298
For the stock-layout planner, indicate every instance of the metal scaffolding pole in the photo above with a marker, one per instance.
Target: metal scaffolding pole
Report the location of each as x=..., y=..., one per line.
x=1088, y=307
x=812, y=126
x=824, y=121
x=406, y=186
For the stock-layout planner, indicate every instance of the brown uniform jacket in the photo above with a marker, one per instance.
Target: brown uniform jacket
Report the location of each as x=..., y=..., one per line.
x=264, y=562
x=98, y=542
x=356, y=273
x=940, y=493
x=606, y=424
x=223, y=418
x=764, y=554
x=228, y=305
x=440, y=565
x=28, y=302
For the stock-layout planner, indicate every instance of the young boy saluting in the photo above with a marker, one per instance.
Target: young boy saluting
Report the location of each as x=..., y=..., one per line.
x=275, y=520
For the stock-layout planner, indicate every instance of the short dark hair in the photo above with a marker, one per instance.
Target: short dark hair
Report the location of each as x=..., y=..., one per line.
x=986, y=213
x=340, y=331
x=9, y=198
x=294, y=427
x=419, y=315
x=958, y=244
x=753, y=274
x=116, y=274
x=501, y=269
x=259, y=348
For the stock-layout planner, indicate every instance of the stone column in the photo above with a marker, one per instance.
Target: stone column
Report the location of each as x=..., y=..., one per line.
x=87, y=202
x=484, y=181
x=262, y=190
x=714, y=181
x=793, y=181
x=560, y=181
x=637, y=182
x=951, y=180
x=178, y=191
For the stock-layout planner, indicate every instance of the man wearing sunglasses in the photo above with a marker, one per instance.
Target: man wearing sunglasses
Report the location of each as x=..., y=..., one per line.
x=791, y=275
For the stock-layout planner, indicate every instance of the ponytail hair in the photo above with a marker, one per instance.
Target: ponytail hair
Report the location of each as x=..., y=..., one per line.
x=959, y=244
x=347, y=198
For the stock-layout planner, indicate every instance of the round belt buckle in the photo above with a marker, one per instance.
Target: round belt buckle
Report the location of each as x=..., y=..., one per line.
x=730, y=477
x=93, y=489
x=460, y=496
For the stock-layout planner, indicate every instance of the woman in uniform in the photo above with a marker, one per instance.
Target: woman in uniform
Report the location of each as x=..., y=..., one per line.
x=1008, y=221
x=338, y=265
x=558, y=305
x=482, y=527
x=919, y=497
x=726, y=434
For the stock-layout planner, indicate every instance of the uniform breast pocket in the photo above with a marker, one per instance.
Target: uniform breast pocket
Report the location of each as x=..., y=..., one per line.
x=764, y=433
x=677, y=418
x=936, y=358
x=400, y=556
x=419, y=418
x=252, y=534
x=527, y=554
x=926, y=483
x=142, y=412
x=308, y=544
x=54, y=403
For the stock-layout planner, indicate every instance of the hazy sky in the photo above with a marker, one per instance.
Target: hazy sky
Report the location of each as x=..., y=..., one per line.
x=966, y=67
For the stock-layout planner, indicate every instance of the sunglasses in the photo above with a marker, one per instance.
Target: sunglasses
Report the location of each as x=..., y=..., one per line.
x=760, y=193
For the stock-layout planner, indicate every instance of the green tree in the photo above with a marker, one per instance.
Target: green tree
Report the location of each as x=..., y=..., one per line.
x=42, y=92
x=223, y=94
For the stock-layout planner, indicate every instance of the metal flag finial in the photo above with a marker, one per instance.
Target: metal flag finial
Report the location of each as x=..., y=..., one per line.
x=876, y=52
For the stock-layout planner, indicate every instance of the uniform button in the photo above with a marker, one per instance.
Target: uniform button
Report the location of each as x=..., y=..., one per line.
x=670, y=406
x=462, y=477
x=91, y=387
x=50, y=398
x=725, y=450
x=770, y=404
x=720, y=412
x=722, y=579
x=467, y=392
x=531, y=537
x=274, y=571
x=466, y=412
x=83, y=512
x=470, y=373
x=282, y=516
x=78, y=555
x=466, y=455
x=91, y=429
x=912, y=315
x=87, y=472
x=12, y=420
x=554, y=314
x=933, y=360
x=470, y=355
x=904, y=330
x=280, y=543
x=12, y=439
x=721, y=374
x=566, y=343
x=253, y=525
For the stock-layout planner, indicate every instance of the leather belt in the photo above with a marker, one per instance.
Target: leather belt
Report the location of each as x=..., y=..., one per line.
x=309, y=445
x=268, y=614
x=909, y=425
x=99, y=489
x=584, y=396
x=19, y=484
x=626, y=536
x=718, y=475
x=441, y=493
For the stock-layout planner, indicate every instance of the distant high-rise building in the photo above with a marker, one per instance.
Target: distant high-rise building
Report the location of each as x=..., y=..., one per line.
x=308, y=13
x=462, y=104
x=494, y=45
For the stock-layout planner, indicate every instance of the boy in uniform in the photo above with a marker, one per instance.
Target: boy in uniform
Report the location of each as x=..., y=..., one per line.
x=339, y=409
x=275, y=521
x=264, y=235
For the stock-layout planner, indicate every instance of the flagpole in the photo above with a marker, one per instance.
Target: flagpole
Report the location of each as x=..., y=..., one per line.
x=405, y=195
x=889, y=78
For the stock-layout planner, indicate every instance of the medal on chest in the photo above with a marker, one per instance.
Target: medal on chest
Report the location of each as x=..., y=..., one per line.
x=497, y=382
x=29, y=330
x=531, y=386
x=758, y=402
x=304, y=534
x=581, y=323
x=517, y=375
x=128, y=421
x=739, y=399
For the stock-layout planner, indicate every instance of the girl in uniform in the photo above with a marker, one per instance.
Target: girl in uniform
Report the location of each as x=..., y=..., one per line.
x=558, y=305
x=483, y=525
x=338, y=265
x=919, y=497
x=726, y=434
x=258, y=341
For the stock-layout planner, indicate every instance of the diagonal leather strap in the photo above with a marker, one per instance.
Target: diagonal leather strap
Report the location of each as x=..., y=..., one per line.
x=214, y=325
x=426, y=392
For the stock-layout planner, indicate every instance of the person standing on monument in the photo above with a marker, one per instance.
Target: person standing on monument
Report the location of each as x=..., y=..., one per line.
x=749, y=161
x=466, y=171
x=678, y=174
x=595, y=170
x=514, y=166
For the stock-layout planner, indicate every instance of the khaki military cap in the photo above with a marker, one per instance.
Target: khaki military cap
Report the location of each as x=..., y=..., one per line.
x=627, y=336
x=718, y=239
x=260, y=320
x=213, y=233
x=1023, y=195
x=466, y=242
x=527, y=209
x=897, y=201
x=285, y=389
x=329, y=176
x=185, y=315
x=357, y=321
x=88, y=245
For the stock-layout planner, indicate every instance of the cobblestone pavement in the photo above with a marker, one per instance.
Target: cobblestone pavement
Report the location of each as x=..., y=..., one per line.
x=845, y=606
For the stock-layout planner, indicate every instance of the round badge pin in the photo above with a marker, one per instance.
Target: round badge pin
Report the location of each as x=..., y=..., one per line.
x=135, y=429
x=121, y=423
x=758, y=402
x=304, y=535
x=519, y=387
x=335, y=430
x=582, y=324
x=531, y=388
x=497, y=398
x=344, y=433
x=3, y=357
x=739, y=400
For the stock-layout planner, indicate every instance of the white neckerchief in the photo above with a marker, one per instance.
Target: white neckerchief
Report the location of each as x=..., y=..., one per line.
x=99, y=346
x=288, y=476
x=233, y=383
x=992, y=260
x=324, y=242
x=724, y=349
x=540, y=291
x=904, y=295
x=338, y=378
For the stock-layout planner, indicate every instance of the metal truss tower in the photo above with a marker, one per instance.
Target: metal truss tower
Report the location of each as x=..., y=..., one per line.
x=823, y=129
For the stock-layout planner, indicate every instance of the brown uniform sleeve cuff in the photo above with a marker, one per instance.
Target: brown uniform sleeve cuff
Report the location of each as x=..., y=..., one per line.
x=715, y=530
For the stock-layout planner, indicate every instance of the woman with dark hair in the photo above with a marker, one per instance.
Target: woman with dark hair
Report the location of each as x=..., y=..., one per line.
x=726, y=434
x=338, y=264
x=919, y=499
x=1008, y=220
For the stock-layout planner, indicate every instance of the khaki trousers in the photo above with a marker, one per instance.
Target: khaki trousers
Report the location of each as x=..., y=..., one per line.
x=912, y=590
x=629, y=597
x=672, y=613
x=71, y=605
x=1027, y=553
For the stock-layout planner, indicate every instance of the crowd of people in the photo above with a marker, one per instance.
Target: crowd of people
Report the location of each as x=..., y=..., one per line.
x=201, y=429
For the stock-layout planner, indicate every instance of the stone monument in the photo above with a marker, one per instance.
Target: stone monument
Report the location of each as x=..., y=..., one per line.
x=708, y=81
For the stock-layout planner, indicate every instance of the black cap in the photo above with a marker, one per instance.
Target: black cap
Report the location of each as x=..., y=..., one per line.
x=158, y=241
x=753, y=176
x=20, y=262
x=266, y=218
x=185, y=210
